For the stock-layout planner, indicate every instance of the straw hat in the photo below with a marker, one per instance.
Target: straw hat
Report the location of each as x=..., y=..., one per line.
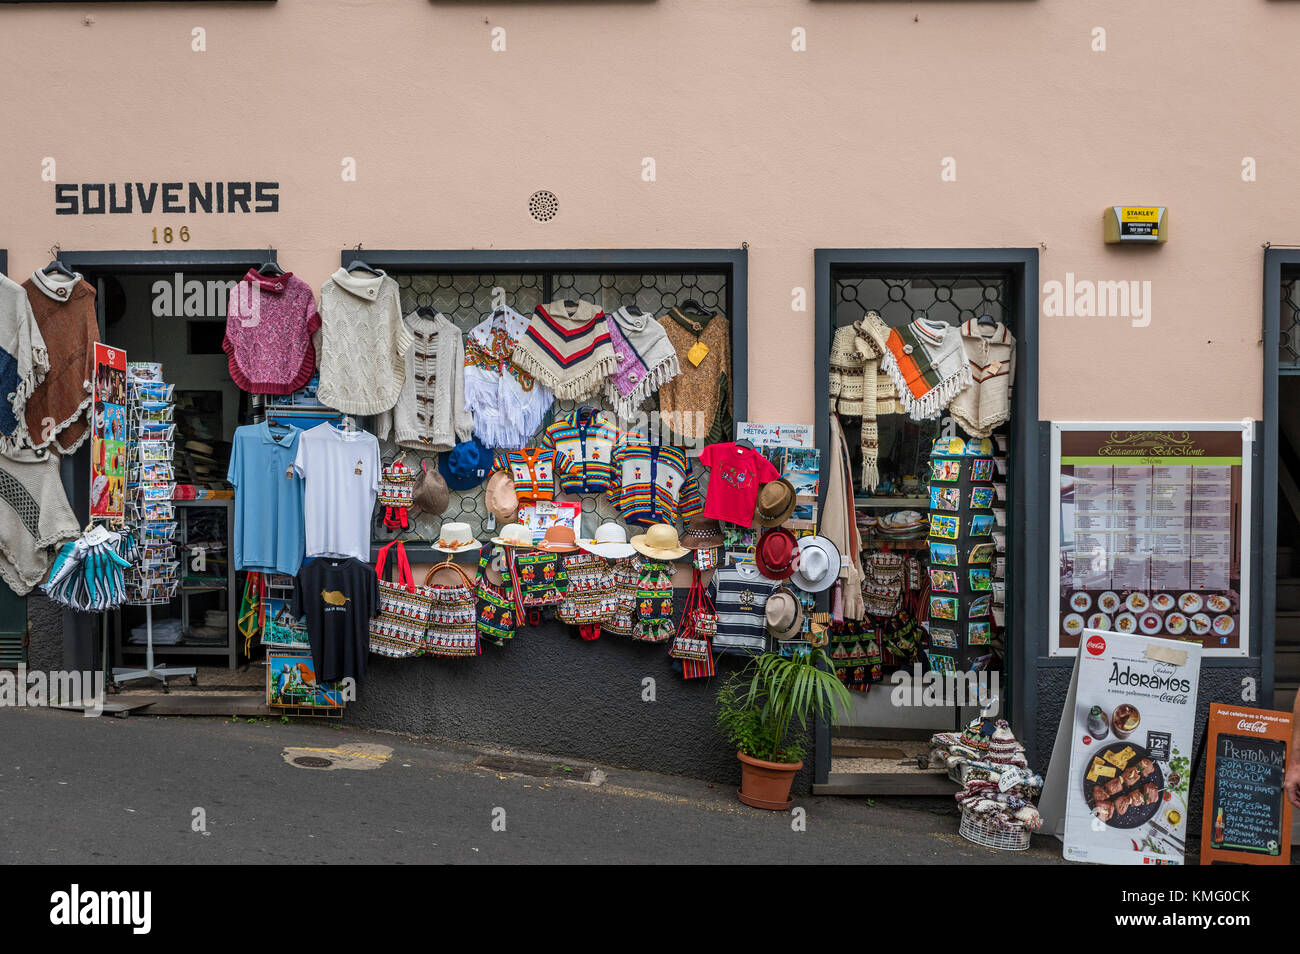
x=610, y=542
x=777, y=554
x=500, y=498
x=784, y=614
x=660, y=542
x=456, y=538
x=819, y=565
x=776, y=501
x=559, y=539
x=515, y=535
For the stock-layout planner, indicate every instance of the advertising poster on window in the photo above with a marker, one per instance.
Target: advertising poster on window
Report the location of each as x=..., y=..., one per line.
x=1117, y=789
x=108, y=434
x=1150, y=525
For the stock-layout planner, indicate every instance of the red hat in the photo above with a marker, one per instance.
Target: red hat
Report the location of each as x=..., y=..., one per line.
x=777, y=553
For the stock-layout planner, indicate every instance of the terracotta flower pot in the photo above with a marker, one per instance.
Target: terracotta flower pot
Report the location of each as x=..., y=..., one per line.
x=766, y=784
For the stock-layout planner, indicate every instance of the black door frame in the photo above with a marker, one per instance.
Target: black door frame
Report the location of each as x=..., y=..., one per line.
x=1027, y=514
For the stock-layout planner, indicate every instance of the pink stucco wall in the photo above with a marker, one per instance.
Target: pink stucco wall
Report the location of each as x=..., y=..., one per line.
x=839, y=145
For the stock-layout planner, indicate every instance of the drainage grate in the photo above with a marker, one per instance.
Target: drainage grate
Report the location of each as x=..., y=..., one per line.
x=312, y=761
x=537, y=768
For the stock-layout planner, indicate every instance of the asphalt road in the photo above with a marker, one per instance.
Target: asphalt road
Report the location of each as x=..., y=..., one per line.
x=149, y=790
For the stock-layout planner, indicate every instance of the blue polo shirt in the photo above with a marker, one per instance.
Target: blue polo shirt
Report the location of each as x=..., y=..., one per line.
x=268, y=499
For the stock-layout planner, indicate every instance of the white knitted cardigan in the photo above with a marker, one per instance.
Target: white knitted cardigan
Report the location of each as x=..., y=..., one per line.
x=23, y=359
x=430, y=413
x=364, y=342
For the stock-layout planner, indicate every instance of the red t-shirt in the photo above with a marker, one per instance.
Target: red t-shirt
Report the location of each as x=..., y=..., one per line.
x=735, y=473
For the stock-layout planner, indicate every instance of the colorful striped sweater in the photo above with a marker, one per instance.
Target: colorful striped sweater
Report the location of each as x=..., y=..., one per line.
x=533, y=470
x=655, y=484
x=587, y=437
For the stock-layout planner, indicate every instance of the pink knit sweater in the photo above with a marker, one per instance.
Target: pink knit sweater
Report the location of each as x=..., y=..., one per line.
x=269, y=325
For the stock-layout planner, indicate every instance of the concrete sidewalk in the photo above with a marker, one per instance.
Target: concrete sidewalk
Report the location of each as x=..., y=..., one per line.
x=77, y=791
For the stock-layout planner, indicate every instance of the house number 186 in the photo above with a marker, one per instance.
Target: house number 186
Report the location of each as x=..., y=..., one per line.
x=170, y=235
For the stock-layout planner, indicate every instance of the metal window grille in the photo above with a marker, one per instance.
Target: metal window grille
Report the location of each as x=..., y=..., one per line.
x=1288, y=358
x=900, y=297
x=467, y=297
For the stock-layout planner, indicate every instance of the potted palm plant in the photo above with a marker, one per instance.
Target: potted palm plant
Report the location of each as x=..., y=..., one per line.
x=757, y=707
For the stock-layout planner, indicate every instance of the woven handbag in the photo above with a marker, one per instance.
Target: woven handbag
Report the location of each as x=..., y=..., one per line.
x=497, y=614
x=396, y=493
x=654, y=603
x=540, y=578
x=699, y=625
x=398, y=630
x=589, y=590
x=453, y=629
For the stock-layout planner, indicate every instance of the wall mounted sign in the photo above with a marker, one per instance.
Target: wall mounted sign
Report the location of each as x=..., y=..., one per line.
x=1119, y=779
x=775, y=435
x=1150, y=528
x=168, y=198
x=1135, y=223
x=1246, y=815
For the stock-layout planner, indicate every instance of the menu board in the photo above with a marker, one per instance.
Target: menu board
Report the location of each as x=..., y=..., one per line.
x=1118, y=782
x=1149, y=525
x=108, y=434
x=1247, y=818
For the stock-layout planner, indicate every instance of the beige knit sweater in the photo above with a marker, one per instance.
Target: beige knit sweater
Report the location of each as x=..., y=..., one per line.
x=364, y=342
x=430, y=414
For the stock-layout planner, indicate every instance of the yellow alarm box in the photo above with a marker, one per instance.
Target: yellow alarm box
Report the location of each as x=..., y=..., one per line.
x=1148, y=224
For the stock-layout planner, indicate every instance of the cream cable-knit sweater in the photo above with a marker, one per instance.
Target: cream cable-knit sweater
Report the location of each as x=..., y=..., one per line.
x=364, y=341
x=430, y=414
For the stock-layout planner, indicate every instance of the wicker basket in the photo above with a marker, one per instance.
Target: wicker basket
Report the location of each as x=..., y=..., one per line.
x=973, y=829
x=957, y=772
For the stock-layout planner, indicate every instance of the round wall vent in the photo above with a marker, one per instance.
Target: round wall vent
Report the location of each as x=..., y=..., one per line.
x=543, y=205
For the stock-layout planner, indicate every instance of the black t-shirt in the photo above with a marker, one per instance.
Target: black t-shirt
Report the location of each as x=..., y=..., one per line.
x=338, y=597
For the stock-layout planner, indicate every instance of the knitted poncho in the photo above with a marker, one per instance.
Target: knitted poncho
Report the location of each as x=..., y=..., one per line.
x=567, y=349
x=269, y=327
x=986, y=404
x=928, y=365
x=697, y=403
x=35, y=518
x=430, y=413
x=23, y=362
x=363, y=343
x=646, y=360
x=859, y=388
x=507, y=404
x=58, y=413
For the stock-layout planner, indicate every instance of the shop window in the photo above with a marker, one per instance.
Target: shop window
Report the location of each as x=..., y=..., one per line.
x=467, y=297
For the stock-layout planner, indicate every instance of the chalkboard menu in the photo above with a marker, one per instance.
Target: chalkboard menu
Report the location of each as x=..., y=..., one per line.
x=1247, y=818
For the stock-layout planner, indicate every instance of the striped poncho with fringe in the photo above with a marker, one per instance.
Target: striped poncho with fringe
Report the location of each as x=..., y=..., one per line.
x=646, y=360
x=928, y=366
x=567, y=349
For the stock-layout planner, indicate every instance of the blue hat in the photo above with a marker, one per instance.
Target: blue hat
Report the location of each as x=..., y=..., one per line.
x=466, y=465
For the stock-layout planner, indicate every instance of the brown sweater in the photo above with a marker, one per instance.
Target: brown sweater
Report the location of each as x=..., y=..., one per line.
x=57, y=411
x=702, y=388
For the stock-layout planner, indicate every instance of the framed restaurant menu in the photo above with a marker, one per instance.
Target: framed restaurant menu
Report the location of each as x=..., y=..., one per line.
x=1150, y=523
x=1246, y=815
x=1118, y=784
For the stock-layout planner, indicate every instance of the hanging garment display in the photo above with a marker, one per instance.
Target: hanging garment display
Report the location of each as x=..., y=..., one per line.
x=741, y=595
x=696, y=403
x=338, y=597
x=928, y=365
x=88, y=574
x=839, y=524
x=453, y=621
x=735, y=473
x=655, y=483
x=646, y=360
x=340, y=469
x=270, y=321
x=58, y=411
x=431, y=413
x=587, y=437
x=363, y=343
x=991, y=352
x=861, y=387
x=268, y=531
x=567, y=349
x=35, y=518
x=397, y=494
x=506, y=403
x=23, y=362
x=399, y=628
x=533, y=471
